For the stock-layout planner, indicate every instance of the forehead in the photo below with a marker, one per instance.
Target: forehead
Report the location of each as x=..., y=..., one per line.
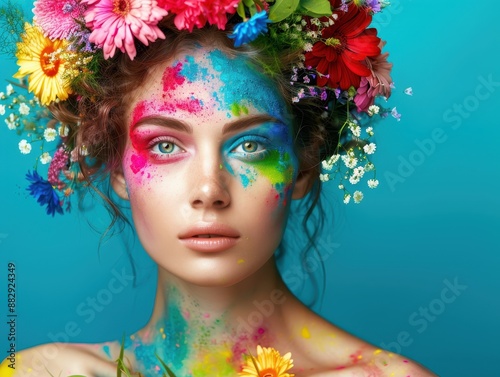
x=204, y=78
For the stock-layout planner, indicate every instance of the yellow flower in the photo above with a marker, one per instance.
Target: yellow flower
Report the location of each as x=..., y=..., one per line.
x=268, y=363
x=40, y=58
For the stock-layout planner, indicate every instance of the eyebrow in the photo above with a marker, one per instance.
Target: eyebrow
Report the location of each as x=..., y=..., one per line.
x=231, y=127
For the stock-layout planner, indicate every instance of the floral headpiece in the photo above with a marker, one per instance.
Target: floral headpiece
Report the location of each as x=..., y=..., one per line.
x=340, y=58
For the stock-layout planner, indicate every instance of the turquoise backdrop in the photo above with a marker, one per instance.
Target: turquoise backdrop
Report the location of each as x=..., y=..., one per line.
x=414, y=268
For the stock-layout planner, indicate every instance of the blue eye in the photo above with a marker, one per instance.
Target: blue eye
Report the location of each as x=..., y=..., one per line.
x=165, y=147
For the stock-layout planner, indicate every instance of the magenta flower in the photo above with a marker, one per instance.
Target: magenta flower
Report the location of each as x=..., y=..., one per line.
x=191, y=13
x=115, y=23
x=57, y=165
x=58, y=18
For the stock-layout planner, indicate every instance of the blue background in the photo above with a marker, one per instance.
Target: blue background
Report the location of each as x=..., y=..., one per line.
x=433, y=221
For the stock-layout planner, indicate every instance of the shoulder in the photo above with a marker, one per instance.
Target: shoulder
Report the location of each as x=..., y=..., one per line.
x=323, y=349
x=62, y=359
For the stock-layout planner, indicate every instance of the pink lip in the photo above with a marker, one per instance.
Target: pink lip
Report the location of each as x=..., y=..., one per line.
x=222, y=237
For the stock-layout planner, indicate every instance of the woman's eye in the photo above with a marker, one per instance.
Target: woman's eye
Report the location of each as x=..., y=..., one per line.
x=251, y=150
x=165, y=147
x=250, y=146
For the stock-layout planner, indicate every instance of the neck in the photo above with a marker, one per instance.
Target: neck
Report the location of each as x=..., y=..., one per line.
x=191, y=322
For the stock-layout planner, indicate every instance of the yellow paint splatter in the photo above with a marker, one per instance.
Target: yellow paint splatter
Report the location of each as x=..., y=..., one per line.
x=5, y=370
x=360, y=357
x=376, y=352
x=305, y=332
x=240, y=261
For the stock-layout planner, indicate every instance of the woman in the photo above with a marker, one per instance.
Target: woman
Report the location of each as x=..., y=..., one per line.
x=202, y=138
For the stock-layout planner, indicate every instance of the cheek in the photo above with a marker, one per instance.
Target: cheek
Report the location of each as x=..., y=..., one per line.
x=137, y=169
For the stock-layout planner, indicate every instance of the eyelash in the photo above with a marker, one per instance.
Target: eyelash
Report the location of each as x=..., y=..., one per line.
x=259, y=154
x=154, y=146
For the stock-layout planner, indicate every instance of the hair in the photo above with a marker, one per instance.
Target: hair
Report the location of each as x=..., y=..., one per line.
x=97, y=116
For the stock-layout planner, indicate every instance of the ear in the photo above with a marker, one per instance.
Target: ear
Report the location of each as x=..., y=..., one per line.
x=304, y=183
x=119, y=184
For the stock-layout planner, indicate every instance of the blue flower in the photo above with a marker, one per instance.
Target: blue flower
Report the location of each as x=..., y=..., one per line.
x=247, y=31
x=44, y=193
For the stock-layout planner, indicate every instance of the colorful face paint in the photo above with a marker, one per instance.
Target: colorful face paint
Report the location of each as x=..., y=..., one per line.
x=187, y=164
x=273, y=159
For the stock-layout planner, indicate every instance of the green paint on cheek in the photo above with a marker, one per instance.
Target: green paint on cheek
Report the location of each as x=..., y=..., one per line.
x=277, y=167
x=237, y=109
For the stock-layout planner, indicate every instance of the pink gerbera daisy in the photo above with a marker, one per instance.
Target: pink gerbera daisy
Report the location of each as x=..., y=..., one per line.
x=115, y=23
x=58, y=18
x=191, y=13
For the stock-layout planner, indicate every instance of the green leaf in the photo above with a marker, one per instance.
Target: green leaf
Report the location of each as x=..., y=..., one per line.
x=315, y=8
x=169, y=371
x=282, y=9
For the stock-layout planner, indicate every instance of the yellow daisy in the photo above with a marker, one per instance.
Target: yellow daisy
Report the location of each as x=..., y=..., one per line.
x=40, y=58
x=268, y=363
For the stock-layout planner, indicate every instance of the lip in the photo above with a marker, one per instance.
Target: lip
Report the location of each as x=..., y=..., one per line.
x=222, y=237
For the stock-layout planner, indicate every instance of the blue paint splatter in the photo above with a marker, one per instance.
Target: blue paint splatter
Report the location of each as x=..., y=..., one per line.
x=107, y=351
x=192, y=71
x=245, y=86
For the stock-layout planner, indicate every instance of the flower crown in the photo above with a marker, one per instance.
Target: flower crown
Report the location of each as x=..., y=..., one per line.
x=340, y=58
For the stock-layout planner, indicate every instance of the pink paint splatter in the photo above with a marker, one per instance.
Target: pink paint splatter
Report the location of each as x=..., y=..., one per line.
x=191, y=105
x=137, y=163
x=138, y=112
x=172, y=77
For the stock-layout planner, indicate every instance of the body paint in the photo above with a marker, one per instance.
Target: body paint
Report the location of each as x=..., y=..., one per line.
x=195, y=344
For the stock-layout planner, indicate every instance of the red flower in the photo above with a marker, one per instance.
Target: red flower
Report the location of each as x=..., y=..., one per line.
x=196, y=13
x=340, y=56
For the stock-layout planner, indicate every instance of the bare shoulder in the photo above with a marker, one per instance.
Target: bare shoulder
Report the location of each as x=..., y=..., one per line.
x=62, y=359
x=323, y=349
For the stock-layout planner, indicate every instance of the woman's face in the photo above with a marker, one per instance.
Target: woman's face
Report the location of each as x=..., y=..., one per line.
x=209, y=167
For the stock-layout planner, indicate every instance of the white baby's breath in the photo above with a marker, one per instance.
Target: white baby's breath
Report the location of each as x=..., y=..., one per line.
x=358, y=197
x=50, y=134
x=24, y=109
x=2, y=109
x=373, y=109
x=347, y=198
x=350, y=161
x=24, y=146
x=45, y=158
x=370, y=148
x=9, y=89
x=11, y=122
x=372, y=183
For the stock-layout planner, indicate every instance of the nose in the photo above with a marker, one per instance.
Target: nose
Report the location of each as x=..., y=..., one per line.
x=210, y=186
